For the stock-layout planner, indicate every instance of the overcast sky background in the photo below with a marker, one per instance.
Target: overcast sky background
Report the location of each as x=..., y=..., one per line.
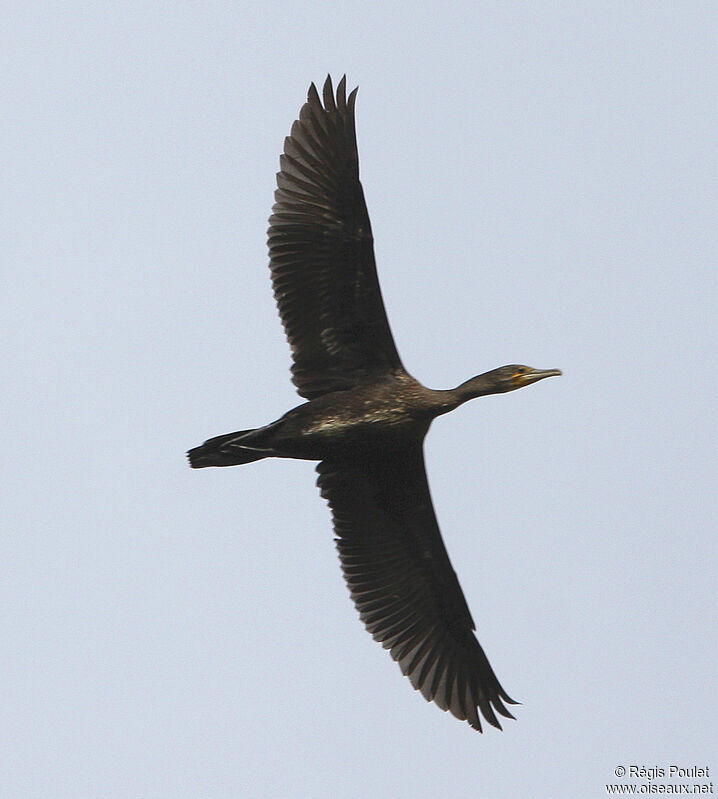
x=542, y=185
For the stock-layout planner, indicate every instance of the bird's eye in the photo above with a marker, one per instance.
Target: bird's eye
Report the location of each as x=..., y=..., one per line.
x=521, y=370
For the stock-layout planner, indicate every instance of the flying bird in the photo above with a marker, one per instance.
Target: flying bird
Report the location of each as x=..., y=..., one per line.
x=365, y=417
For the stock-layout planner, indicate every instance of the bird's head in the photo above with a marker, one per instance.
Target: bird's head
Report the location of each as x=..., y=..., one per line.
x=509, y=378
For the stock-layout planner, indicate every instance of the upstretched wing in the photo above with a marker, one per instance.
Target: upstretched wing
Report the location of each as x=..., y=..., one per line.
x=322, y=254
x=403, y=584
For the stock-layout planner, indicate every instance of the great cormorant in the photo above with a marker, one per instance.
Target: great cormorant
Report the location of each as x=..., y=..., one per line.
x=366, y=417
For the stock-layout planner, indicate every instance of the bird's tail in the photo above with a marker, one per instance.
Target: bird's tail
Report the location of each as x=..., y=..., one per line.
x=226, y=450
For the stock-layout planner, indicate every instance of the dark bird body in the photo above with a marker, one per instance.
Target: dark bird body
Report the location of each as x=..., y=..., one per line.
x=366, y=418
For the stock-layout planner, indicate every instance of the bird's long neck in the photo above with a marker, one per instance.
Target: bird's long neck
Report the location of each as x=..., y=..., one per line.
x=478, y=386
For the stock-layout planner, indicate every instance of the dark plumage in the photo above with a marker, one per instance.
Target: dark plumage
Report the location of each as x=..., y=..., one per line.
x=366, y=417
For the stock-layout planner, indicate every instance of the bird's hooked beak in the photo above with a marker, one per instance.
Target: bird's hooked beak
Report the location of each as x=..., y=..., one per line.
x=534, y=375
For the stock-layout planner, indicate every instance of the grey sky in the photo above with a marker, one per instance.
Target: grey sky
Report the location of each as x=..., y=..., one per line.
x=542, y=185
